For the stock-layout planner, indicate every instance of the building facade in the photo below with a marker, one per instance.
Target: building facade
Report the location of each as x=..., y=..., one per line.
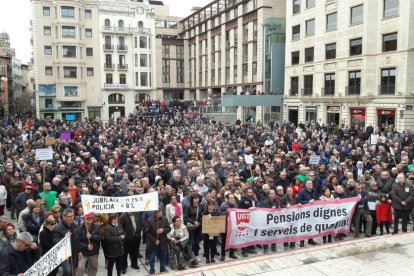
x=127, y=40
x=225, y=47
x=8, y=75
x=350, y=62
x=66, y=50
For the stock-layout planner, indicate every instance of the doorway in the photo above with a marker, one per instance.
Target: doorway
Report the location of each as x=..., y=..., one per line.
x=293, y=116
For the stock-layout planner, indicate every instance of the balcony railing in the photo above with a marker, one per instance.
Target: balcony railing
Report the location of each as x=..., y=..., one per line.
x=387, y=89
x=121, y=48
x=294, y=92
x=109, y=66
x=122, y=66
x=307, y=91
x=124, y=30
x=353, y=90
x=328, y=91
x=108, y=47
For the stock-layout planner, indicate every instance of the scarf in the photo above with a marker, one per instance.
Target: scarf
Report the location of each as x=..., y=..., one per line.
x=177, y=210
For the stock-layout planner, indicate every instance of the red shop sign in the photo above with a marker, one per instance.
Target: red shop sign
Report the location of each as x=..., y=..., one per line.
x=357, y=111
x=386, y=112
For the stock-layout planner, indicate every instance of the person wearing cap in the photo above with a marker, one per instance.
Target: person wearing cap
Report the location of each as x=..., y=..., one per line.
x=156, y=231
x=90, y=239
x=114, y=236
x=22, y=198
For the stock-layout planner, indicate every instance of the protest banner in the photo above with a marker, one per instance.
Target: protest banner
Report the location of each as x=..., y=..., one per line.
x=65, y=136
x=105, y=204
x=314, y=159
x=296, y=223
x=213, y=225
x=44, y=154
x=50, y=141
x=248, y=158
x=52, y=259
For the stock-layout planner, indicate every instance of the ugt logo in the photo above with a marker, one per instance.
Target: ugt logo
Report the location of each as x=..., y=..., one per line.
x=242, y=221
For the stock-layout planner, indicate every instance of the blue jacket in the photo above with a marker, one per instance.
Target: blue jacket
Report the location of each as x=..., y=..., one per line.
x=304, y=196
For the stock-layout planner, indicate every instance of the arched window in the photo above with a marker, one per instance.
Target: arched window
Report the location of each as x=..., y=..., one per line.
x=121, y=24
x=140, y=24
x=139, y=98
x=107, y=23
x=116, y=98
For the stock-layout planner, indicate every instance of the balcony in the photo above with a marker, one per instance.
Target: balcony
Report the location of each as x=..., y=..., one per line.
x=122, y=66
x=108, y=47
x=386, y=89
x=294, y=92
x=307, y=91
x=121, y=48
x=354, y=90
x=109, y=66
x=117, y=86
x=328, y=91
x=125, y=30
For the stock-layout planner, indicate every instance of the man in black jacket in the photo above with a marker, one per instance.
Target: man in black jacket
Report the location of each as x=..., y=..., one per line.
x=18, y=256
x=90, y=240
x=131, y=223
x=67, y=228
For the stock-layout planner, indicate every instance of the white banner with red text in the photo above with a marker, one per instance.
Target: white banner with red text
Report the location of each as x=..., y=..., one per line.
x=107, y=204
x=296, y=223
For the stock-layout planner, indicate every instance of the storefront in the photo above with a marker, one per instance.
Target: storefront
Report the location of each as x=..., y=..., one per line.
x=386, y=117
x=333, y=114
x=310, y=113
x=357, y=116
x=293, y=114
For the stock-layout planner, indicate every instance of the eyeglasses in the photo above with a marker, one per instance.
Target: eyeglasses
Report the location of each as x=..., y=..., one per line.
x=55, y=212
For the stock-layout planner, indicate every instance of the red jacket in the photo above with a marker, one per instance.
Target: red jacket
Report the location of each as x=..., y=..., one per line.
x=296, y=146
x=384, y=212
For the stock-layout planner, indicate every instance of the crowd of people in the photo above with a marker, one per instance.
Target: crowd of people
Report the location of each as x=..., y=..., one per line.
x=197, y=166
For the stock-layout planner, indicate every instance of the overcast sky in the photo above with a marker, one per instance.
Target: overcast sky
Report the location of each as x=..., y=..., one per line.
x=15, y=20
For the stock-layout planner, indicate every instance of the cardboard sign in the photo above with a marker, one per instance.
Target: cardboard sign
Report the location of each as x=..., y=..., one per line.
x=214, y=225
x=65, y=136
x=314, y=159
x=50, y=141
x=248, y=159
x=44, y=154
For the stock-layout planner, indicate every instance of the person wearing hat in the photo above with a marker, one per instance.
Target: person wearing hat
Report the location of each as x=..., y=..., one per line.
x=90, y=239
x=114, y=236
x=22, y=198
x=156, y=230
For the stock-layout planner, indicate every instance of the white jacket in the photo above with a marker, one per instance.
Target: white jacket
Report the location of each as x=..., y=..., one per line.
x=3, y=195
x=170, y=212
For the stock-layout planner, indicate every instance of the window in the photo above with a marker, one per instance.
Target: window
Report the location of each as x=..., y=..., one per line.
x=69, y=51
x=390, y=8
x=68, y=31
x=355, y=47
x=144, y=78
x=296, y=6
x=254, y=71
x=389, y=42
x=109, y=79
x=357, y=14
x=245, y=32
x=330, y=51
x=70, y=91
x=143, y=42
x=294, y=86
x=48, y=103
x=48, y=70
x=296, y=32
x=67, y=11
x=143, y=60
x=180, y=71
x=331, y=21
x=310, y=3
x=295, y=57
x=89, y=52
x=122, y=79
x=307, y=85
x=255, y=29
x=107, y=24
x=388, y=80
x=140, y=24
x=108, y=61
x=309, y=53
x=48, y=50
x=121, y=24
x=310, y=27
x=94, y=112
x=89, y=71
x=70, y=72
x=46, y=11
x=88, y=13
x=88, y=32
x=47, y=30
x=166, y=71
x=354, y=83
x=180, y=52
x=329, y=88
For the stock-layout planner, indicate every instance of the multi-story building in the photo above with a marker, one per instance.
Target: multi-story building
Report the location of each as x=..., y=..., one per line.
x=66, y=49
x=7, y=60
x=225, y=46
x=350, y=62
x=170, y=57
x=127, y=47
